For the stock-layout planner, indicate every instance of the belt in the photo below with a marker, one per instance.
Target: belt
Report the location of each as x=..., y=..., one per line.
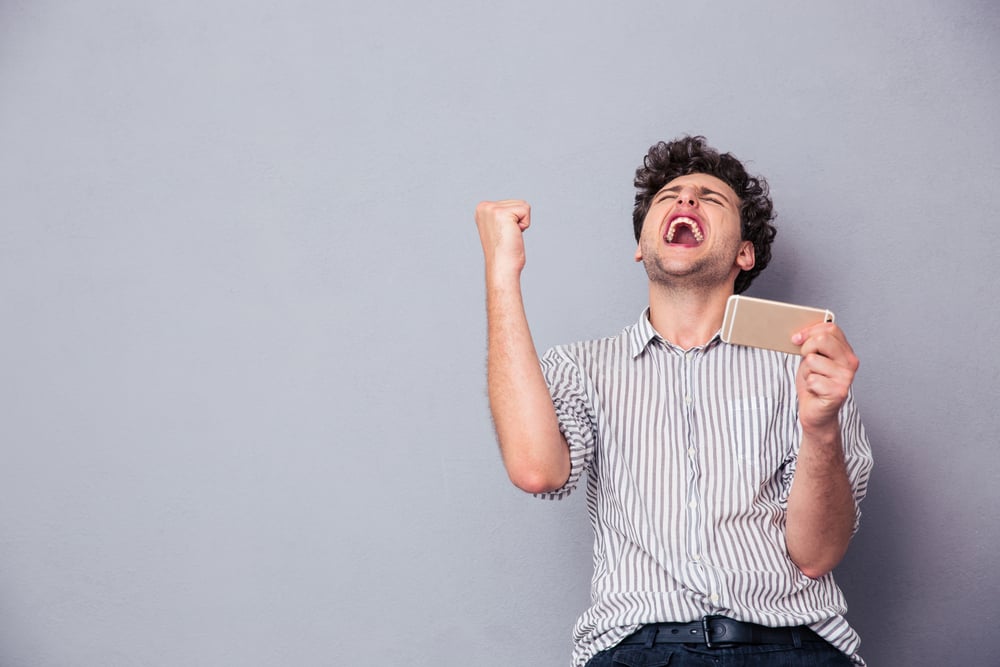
x=715, y=630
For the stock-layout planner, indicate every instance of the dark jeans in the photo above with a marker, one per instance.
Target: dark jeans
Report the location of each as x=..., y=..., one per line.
x=810, y=654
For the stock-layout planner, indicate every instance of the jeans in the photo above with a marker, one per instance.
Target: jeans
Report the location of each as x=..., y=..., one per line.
x=810, y=654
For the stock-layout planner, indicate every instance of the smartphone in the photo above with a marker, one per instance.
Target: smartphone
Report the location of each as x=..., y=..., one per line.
x=768, y=324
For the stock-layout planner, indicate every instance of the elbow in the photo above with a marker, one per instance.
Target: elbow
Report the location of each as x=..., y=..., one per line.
x=537, y=466
x=814, y=572
x=538, y=474
x=820, y=565
x=536, y=481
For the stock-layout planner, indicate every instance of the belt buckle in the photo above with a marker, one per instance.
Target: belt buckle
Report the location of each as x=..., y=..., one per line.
x=707, y=629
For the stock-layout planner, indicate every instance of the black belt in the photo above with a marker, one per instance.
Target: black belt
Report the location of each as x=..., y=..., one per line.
x=715, y=630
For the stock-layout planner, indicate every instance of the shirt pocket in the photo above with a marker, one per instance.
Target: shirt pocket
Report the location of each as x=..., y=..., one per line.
x=756, y=452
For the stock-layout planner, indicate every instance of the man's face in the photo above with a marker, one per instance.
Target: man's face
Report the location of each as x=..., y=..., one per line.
x=691, y=235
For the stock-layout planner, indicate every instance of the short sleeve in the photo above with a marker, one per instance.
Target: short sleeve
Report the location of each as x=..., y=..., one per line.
x=574, y=412
x=857, y=453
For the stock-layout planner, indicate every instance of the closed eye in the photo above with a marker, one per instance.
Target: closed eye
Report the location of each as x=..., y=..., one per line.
x=705, y=194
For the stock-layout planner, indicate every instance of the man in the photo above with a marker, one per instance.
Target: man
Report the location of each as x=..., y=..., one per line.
x=723, y=481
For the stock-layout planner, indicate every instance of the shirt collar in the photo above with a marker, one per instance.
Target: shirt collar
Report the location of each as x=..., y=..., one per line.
x=643, y=333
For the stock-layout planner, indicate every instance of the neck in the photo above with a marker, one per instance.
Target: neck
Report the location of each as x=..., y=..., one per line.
x=687, y=318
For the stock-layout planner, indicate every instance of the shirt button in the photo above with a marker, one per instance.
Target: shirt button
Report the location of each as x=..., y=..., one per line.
x=687, y=399
x=715, y=597
x=691, y=452
x=692, y=504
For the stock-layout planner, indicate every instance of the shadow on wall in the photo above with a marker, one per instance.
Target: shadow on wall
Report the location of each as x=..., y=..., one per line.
x=878, y=572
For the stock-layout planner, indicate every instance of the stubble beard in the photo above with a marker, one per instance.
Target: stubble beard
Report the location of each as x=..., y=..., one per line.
x=703, y=273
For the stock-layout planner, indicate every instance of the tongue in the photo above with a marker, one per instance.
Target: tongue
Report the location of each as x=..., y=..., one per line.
x=684, y=236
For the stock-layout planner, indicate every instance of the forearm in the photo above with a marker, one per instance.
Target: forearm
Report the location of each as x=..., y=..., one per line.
x=534, y=451
x=821, y=509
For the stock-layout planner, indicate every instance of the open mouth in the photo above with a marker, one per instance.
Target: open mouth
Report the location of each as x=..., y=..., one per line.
x=684, y=231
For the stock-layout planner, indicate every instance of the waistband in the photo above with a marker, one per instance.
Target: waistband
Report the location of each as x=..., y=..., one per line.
x=713, y=631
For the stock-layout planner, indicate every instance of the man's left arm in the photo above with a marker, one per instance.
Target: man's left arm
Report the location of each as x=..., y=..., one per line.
x=821, y=505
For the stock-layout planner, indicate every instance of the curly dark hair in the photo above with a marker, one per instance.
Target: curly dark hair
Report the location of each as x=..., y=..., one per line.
x=692, y=155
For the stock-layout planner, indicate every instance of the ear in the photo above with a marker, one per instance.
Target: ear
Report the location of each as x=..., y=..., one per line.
x=746, y=257
x=638, y=253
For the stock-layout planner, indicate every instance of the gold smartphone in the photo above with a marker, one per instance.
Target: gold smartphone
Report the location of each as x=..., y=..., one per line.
x=768, y=324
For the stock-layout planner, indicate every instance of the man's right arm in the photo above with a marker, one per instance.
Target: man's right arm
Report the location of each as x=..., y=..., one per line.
x=534, y=451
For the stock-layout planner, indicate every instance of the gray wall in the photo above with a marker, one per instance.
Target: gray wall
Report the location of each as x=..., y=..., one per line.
x=242, y=409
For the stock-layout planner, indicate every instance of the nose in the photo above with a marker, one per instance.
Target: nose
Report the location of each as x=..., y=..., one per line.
x=687, y=197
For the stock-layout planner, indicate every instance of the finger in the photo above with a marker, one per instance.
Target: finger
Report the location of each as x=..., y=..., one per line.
x=829, y=390
x=826, y=344
x=828, y=340
x=800, y=336
x=816, y=367
x=509, y=210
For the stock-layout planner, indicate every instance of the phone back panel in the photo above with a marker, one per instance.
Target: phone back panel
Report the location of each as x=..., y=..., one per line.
x=768, y=324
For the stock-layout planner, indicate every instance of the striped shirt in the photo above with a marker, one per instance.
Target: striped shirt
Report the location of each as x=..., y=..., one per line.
x=690, y=456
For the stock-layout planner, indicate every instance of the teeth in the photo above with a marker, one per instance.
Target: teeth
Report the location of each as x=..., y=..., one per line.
x=691, y=224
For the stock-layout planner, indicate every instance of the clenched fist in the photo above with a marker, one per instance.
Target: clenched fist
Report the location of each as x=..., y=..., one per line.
x=501, y=225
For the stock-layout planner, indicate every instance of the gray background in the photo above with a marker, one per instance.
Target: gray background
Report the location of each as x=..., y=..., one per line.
x=242, y=408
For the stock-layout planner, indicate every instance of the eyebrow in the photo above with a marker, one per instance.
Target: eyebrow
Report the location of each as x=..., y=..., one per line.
x=702, y=191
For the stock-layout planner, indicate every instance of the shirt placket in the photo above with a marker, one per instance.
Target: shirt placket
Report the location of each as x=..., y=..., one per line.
x=696, y=533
